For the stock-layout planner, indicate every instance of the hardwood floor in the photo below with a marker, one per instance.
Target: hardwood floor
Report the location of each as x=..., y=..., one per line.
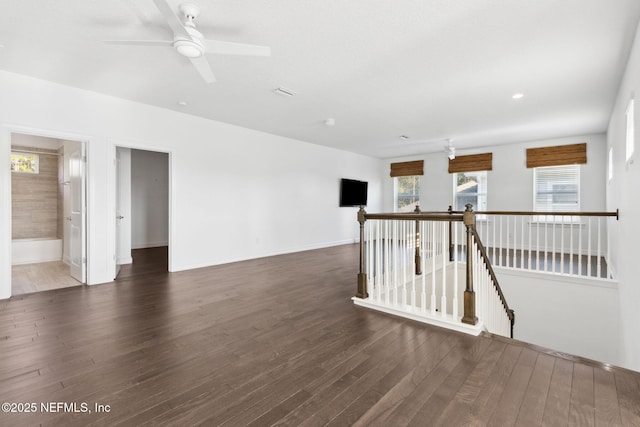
x=277, y=341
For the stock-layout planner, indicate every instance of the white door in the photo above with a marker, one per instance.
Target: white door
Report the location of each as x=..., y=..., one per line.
x=123, y=208
x=77, y=219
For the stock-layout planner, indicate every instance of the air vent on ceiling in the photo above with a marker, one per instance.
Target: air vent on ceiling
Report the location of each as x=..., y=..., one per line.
x=284, y=92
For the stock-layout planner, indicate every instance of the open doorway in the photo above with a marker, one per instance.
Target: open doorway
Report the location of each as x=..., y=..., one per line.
x=48, y=199
x=142, y=212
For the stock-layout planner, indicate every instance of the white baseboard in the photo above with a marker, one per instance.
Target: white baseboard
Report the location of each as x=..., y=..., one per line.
x=124, y=261
x=148, y=245
x=265, y=254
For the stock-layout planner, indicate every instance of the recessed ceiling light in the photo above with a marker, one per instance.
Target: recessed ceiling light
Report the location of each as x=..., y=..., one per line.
x=182, y=103
x=284, y=92
x=518, y=95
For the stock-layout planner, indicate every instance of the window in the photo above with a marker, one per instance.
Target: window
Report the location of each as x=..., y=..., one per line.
x=630, y=129
x=24, y=162
x=556, y=189
x=407, y=192
x=470, y=187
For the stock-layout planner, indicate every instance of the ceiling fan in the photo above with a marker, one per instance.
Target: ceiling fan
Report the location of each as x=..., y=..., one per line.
x=450, y=150
x=190, y=42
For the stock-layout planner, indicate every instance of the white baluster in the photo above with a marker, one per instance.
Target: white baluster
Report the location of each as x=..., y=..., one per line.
x=515, y=242
x=598, y=261
x=538, y=246
x=608, y=259
x=378, y=261
x=571, y=245
x=529, y=251
x=443, y=299
x=423, y=244
x=553, y=246
x=395, y=262
x=522, y=242
x=403, y=256
x=507, y=249
x=433, y=267
x=455, y=271
x=369, y=257
x=579, y=246
x=494, y=260
x=387, y=256
x=562, y=245
x=589, y=249
x=546, y=245
x=500, y=244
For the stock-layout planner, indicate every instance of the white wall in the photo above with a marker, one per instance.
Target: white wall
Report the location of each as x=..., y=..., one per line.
x=510, y=183
x=149, y=199
x=289, y=188
x=623, y=194
x=565, y=314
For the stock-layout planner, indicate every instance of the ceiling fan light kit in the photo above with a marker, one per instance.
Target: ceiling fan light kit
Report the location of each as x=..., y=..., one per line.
x=190, y=42
x=450, y=150
x=188, y=48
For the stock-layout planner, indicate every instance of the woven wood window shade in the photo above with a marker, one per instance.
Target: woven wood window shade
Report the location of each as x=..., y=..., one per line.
x=407, y=168
x=575, y=154
x=472, y=163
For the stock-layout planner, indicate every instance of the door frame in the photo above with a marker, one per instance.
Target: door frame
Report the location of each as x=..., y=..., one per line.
x=5, y=203
x=140, y=145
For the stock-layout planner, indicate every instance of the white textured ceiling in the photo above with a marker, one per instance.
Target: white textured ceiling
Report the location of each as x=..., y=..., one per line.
x=429, y=69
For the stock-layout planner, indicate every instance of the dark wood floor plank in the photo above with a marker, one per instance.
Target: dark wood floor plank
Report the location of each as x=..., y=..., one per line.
x=535, y=396
x=581, y=412
x=556, y=410
x=482, y=408
x=277, y=341
x=395, y=389
x=458, y=411
x=607, y=407
x=628, y=389
x=416, y=387
x=508, y=406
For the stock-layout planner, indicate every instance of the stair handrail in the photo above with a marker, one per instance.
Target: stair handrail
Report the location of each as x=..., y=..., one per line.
x=496, y=285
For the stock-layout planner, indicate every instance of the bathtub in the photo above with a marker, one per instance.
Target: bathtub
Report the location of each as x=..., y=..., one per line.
x=28, y=251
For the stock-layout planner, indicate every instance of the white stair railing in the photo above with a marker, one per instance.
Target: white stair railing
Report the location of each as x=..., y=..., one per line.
x=391, y=249
x=491, y=306
x=566, y=243
x=410, y=266
x=409, y=262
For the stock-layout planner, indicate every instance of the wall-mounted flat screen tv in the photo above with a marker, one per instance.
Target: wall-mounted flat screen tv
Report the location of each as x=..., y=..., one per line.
x=353, y=193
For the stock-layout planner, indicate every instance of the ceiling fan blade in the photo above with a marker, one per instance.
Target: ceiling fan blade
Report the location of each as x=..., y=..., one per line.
x=230, y=48
x=172, y=19
x=202, y=65
x=140, y=42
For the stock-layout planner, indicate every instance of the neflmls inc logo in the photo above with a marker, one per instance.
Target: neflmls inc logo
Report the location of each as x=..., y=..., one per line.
x=67, y=407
